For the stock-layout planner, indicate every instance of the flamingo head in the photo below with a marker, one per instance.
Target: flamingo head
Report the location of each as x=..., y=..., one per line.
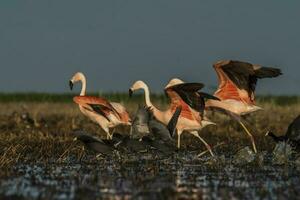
x=76, y=77
x=174, y=81
x=137, y=86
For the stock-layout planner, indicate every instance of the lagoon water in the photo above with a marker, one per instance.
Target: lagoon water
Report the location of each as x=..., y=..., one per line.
x=167, y=178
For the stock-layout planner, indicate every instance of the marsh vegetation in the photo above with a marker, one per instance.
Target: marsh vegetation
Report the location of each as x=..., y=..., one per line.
x=39, y=159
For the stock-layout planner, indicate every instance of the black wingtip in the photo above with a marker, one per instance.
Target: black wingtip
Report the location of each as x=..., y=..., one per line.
x=173, y=121
x=268, y=72
x=96, y=108
x=208, y=96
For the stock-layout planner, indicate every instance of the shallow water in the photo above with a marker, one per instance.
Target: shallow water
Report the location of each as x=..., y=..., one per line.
x=143, y=178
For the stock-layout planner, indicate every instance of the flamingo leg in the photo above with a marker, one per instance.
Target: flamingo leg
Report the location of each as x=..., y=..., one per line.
x=208, y=147
x=108, y=135
x=131, y=131
x=250, y=135
x=112, y=133
x=239, y=119
x=178, y=139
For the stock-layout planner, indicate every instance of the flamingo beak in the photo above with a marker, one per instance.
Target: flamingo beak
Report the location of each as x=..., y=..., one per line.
x=71, y=85
x=130, y=92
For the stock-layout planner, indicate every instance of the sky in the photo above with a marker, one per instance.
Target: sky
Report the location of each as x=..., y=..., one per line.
x=114, y=43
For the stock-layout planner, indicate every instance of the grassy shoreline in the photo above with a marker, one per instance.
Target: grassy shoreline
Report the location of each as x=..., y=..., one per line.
x=39, y=127
x=280, y=100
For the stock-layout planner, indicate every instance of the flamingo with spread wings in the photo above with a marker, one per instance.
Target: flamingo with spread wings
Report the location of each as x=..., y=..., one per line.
x=106, y=114
x=191, y=119
x=237, y=82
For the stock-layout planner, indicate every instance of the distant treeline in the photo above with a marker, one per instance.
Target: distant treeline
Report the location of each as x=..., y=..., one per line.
x=123, y=97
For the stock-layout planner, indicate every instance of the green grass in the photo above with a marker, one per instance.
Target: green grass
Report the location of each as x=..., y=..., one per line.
x=123, y=97
x=68, y=97
x=279, y=100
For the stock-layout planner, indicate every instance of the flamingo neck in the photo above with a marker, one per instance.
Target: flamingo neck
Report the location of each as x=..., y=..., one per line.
x=147, y=97
x=83, y=87
x=158, y=114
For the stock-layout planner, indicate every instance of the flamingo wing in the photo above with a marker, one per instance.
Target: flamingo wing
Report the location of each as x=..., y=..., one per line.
x=176, y=101
x=96, y=104
x=100, y=109
x=186, y=96
x=173, y=121
x=188, y=92
x=237, y=76
x=121, y=110
x=189, y=87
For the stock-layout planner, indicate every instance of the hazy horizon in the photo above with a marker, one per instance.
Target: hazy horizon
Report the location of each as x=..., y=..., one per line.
x=42, y=43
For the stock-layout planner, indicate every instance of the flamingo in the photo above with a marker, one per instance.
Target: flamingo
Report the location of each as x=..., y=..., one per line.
x=237, y=82
x=190, y=119
x=106, y=114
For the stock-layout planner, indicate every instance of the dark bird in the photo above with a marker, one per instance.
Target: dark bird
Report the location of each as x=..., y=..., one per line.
x=237, y=83
x=163, y=138
x=107, y=146
x=160, y=131
x=163, y=135
x=292, y=135
x=95, y=144
x=139, y=126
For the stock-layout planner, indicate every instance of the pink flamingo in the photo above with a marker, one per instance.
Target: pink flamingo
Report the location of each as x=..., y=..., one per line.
x=106, y=114
x=237, y=82
x=190, y=119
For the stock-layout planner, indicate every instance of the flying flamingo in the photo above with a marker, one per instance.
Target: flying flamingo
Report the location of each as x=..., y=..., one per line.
x=190, y=119
x=237, y=82
x=106, y=114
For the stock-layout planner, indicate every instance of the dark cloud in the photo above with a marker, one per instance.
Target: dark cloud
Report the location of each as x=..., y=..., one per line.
x=42, y=43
